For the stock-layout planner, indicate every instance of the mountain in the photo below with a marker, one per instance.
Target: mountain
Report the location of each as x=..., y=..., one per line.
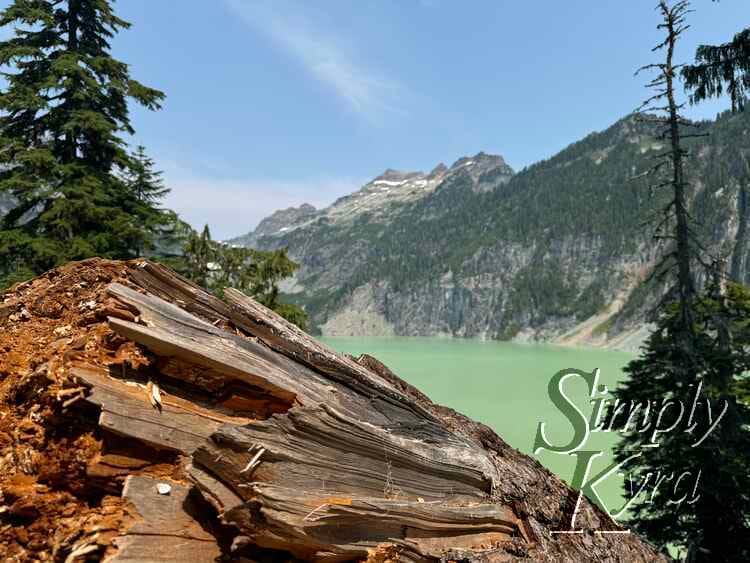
x=380, y=198
x=277, y=223
x=557, y=251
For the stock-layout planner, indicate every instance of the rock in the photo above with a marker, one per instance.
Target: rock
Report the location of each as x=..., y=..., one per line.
x=163, y=488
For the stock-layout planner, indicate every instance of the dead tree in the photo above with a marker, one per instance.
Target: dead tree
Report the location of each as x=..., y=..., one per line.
x=663, y=110
x=280, y=444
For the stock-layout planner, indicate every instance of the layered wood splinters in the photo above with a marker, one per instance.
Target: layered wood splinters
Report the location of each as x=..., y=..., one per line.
x=154, y=394
x=257, y=439
x=255, y=461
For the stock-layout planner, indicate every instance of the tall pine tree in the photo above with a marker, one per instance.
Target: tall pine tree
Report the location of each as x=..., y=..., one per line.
x=147, y=189
x=144, y=181
x=63, y=113
x=200, y=252
x=700, y=346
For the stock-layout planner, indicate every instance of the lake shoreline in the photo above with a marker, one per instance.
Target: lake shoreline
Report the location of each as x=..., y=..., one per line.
x=501, y=384
x=628, y=341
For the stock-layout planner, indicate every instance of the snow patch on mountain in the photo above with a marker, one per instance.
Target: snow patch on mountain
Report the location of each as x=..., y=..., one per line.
x=378, y=197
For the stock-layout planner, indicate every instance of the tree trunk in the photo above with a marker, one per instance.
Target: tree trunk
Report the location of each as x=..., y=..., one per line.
x=683, y=251
x=282, y=447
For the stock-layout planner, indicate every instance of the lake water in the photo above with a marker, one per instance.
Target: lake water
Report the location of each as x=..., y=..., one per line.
x=504, y=385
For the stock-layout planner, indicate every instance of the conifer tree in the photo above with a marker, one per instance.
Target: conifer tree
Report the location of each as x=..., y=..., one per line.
x=200, y=252
x=216, y=266
x=663, y=110
x=700, y=344
x=144, y=181
x=720, y=69
x=63, y=112
x=146, y=189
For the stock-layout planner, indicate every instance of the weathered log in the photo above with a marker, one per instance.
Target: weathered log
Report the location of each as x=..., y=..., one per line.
x=295, y=450
x=166, y=530
x=179, y=425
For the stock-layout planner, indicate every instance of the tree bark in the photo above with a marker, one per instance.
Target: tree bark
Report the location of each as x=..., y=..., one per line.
x=288, y=448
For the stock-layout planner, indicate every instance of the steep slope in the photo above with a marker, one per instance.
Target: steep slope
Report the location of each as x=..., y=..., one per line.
x=277, y=223
x=557, y=251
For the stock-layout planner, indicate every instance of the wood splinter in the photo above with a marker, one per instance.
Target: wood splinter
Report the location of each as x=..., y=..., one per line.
x=254, y=462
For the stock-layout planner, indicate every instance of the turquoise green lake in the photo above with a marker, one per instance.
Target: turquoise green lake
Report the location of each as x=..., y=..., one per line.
x=504, y=385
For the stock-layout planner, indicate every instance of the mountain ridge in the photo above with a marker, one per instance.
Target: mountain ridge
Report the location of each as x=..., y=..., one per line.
x=541, y=254
x=392, y=186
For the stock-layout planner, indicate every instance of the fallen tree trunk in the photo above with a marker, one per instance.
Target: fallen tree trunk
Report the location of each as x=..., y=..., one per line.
x=229, y=431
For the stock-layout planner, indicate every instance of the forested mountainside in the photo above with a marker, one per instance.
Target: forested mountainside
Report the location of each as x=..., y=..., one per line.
x=557, y=251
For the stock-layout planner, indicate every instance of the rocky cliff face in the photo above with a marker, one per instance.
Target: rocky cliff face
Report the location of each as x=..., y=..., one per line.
x=277, y=223
x=6, y=203
x=557, y=251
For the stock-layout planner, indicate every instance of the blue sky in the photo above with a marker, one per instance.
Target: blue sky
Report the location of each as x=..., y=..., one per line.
x=279, y=102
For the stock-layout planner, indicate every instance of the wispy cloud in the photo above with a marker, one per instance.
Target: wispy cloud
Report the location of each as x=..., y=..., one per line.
x=234, y=206
x=362, y=89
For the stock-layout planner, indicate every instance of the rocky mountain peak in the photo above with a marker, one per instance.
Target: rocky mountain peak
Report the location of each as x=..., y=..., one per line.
x=391, y=176
x=284, y=218
x=487, y=171
x=439, y=170
x=378, y=197
x=277, y=224
x=479, y=162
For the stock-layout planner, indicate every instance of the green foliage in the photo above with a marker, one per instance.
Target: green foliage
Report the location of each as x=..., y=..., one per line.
x=720, y=69
x=699, y=352
x=591, y=300
x=200, y=252
x=16, y=275
x=64, y=109
x=256, y=273
x=509, y=332
x=544, y=290
x=720, y=362
x=145, y=189
x=593, y=193
x=742, y=390
x=603, y=328
x=144, y=182
x=293, y=313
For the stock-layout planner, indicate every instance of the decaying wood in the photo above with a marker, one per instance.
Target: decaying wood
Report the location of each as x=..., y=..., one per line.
x=126, y=410
x=298, y=451
x=288, y=339
x=166, y=529
x=347, y=528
